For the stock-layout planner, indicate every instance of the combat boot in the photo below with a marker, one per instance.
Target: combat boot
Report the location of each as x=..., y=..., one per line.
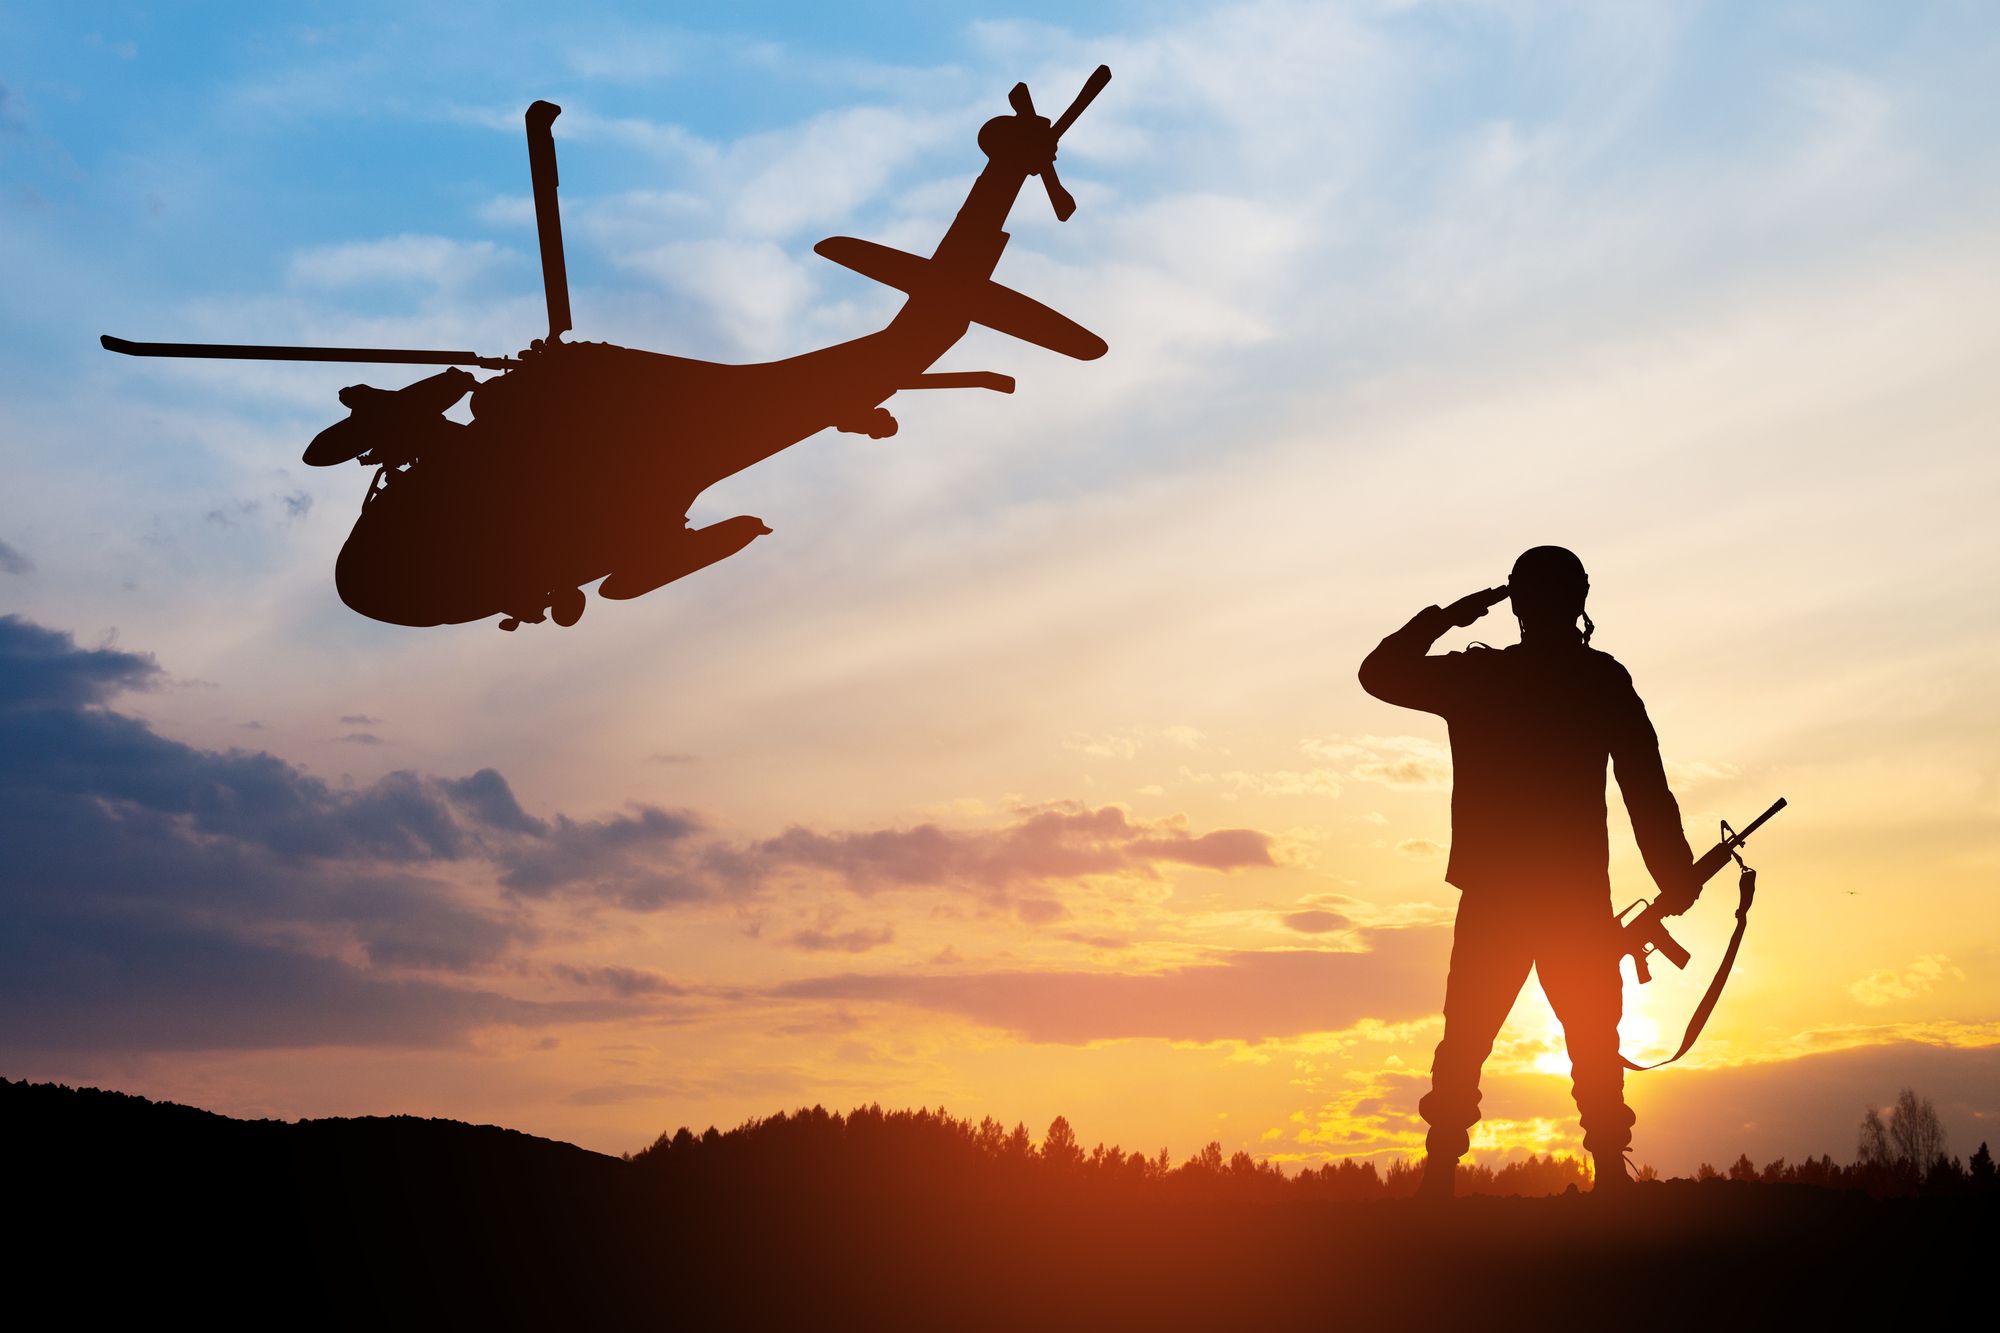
x=1611, y=1176
x=1440, y=1179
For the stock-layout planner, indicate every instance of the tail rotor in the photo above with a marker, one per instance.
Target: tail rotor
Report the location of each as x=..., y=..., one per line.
x=1023, y=103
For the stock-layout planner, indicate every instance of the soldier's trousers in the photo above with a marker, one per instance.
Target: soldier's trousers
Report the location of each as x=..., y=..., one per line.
x=1573, y=947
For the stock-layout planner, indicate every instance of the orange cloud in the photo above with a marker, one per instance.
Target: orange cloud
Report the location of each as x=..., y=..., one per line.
x=1065, y=840
x=1246, y=995
x=1886, y=987
x=858, y=940
x=1391, y=761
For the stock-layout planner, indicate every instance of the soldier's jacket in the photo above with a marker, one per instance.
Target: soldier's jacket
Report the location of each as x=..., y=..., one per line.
x=1531, y=731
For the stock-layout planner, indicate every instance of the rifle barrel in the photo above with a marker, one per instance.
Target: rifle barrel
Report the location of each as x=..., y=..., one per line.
x=1743, y=834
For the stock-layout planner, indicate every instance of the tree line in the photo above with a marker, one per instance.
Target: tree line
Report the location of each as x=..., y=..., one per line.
x=931, y=1151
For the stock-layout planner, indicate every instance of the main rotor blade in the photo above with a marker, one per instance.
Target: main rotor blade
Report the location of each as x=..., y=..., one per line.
x=548, y=215
x=1092, y=86
x=261, y=352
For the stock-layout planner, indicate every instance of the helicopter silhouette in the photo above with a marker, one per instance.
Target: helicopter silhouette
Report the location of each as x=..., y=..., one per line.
x=582, y=459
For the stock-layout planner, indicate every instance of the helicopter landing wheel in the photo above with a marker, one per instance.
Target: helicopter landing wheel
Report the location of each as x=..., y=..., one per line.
x=566, y=607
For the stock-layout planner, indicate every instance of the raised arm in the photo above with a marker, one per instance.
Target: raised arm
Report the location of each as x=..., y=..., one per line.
x=1401, y=670
x=1642, y=779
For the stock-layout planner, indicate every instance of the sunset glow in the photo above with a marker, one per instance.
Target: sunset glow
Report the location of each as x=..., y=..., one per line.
x=1022, y=769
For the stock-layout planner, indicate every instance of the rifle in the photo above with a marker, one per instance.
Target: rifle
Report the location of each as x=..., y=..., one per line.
x=1646, y=933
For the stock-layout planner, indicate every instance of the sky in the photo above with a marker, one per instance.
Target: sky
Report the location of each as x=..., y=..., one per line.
x=1022, y=770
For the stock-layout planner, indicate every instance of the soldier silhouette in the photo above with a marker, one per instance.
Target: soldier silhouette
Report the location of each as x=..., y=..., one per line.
x=1532, y=726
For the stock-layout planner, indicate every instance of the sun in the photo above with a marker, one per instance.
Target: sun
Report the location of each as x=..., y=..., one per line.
x=1636, y=1032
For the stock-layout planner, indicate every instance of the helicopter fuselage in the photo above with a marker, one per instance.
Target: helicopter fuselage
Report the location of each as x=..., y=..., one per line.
x=585, y=459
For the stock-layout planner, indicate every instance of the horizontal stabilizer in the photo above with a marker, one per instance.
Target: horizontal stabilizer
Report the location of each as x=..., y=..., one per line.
x=982, y=300
x=890, y=267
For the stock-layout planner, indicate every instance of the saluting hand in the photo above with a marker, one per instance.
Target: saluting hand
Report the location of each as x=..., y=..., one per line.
x=1474, y=605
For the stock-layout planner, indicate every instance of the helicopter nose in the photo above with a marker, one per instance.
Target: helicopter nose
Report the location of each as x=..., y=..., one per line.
x=390, y=573
x=375, y=582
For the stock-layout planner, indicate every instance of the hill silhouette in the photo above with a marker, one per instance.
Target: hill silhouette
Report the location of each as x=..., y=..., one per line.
x=128, y=1208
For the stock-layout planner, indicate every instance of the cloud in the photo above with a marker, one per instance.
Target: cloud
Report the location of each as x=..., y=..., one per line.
x=437, y=261
x=1795, y=1101
x=1684, y=774
x=41, y=669
x=1110, y=942
x=1390, y=916
x=1421, y=847
x=635, y=57
x=1244, y=995
x=1888, y=986
x=623, y=982
x=1066, y=840
x=487, y=797
x=819, y=172
x=13, y=562
x=141, y=866
x=1040, y=911
x=1315, y=921
x=159, y=895
x=1104, y=747
x=1321, y=782
x=611, y=1094
x=633, y=860
x=1812, y=1104
x=859, y=940
x=1126, y=744
x=754, y=289
x=70, y=982
x=1392, y=761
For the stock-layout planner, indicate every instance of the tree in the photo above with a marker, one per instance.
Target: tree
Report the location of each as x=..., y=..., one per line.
x=1982, y=1167
x=1916, y=1135
x=1873, y=1149
x=1060, y=1148
x=1743, y=1168
x=1019, y=1146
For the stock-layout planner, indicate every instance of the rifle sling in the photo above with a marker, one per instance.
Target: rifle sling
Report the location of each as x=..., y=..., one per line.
x=1746, y=887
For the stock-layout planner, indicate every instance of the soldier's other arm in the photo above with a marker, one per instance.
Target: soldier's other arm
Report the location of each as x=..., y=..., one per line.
x=1656, y=815
x=1401, y=670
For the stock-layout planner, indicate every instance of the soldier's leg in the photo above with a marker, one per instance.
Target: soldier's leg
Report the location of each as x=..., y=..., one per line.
x=1578, y=966
x=1490, y=958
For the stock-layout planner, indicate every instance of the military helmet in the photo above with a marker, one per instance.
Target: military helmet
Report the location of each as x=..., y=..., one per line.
x=1548, y=572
